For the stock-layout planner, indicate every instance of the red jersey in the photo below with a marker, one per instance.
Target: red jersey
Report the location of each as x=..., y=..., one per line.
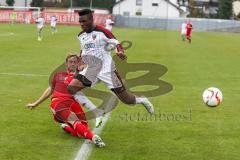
x=63, y=103
x=59, y=85
x=189, y=29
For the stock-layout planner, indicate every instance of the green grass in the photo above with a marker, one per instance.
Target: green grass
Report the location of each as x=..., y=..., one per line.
x=208, y=133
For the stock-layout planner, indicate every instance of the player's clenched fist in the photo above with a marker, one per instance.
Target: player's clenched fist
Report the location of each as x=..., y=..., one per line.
x=31, y=105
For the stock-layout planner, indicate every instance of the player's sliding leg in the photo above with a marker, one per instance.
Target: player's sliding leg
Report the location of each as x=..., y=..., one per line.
x=80, y=127
x=83, y=131
x=82, y=99
x=69, y=129
x=61, y=115
x=75, y=86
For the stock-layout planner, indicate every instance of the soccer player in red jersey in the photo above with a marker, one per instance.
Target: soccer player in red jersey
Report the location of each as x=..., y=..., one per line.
x=66, y=110
x=189, y=31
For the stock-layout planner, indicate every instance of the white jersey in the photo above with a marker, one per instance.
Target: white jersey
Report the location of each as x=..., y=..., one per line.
x=94, y=44
x=183, y=28
x=53, y=21
x=40, y=22
x=109, y=24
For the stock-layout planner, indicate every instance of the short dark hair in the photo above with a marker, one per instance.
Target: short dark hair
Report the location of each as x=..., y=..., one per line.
x=85, y=12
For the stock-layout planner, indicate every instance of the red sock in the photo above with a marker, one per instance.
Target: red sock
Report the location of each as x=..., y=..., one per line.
x=82, y=130
x=69, y=129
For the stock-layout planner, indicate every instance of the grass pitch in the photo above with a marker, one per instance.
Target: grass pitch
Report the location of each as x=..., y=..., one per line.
x=200, y=133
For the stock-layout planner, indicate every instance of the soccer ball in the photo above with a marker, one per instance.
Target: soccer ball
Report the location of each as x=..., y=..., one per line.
x=110, y=46
x=212, y=97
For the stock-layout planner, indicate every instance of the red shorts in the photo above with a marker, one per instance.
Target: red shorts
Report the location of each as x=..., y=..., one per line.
x=188, y=34
x=67, y=109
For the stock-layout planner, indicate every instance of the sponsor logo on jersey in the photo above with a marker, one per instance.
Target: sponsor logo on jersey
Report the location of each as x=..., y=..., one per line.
x=89, y=45
x=94, y=36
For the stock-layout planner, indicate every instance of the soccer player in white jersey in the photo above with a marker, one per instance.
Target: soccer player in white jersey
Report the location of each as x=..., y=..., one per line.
x=99, y=63
x=53, y=24
x=183, y=30
x=109, y=23
x=40, y=24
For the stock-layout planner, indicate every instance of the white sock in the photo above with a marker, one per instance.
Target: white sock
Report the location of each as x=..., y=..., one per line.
x=140, y=100
x=82, y=99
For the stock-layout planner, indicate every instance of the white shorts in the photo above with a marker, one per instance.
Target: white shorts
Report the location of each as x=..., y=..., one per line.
x=92, y=76
x=53, y=24
x=39, y=27
x=183, y=32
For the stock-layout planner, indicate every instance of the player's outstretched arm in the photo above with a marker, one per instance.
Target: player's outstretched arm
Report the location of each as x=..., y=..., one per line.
x=110, y=38
x=48, y=92
x=118, y=47
x=120, y=52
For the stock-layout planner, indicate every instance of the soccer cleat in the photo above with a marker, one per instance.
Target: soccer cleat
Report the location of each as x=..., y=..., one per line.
x=99, y=121
x=63, y=125
x=148, y=105
x=39, y=39
x=98, y=141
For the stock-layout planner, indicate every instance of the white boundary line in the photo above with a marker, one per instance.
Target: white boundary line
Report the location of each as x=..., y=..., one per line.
x=87, y=147
x=2, y=34
x=24, y=74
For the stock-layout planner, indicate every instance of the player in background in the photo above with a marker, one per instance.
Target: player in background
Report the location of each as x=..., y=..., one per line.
x=100, y=66
x=53, y=24
x=189, y=28
x=183, y=30
x=26, y=18
x=40, y=24
x=109, y=23
x=13, y=17
x=66, y=110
